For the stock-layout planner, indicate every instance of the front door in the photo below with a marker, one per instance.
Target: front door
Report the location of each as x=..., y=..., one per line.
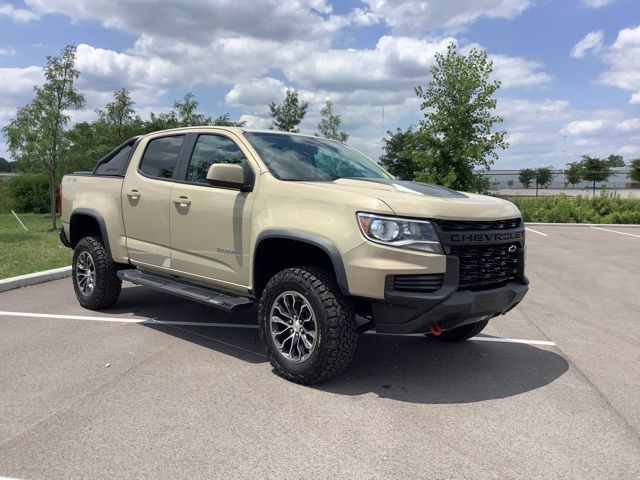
x=210, y=225
x=146, y=198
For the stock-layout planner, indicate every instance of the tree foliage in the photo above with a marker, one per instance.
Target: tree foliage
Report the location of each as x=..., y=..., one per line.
x=634, y=170
x=288, y=114
x=36, y=136
x=396, y=156
x=457, y=138
x=544, y=176
x=595, y=170
x=615, y=161
x=5, y=165
x=329, y=125
x=573, y=173
x=225, y=121
x=526, y=176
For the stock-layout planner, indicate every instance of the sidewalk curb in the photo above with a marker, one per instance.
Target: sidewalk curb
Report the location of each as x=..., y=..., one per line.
x=34, y=278
x=610, y=225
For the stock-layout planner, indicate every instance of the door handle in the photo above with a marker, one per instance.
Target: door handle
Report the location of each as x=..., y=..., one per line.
x=182, y=200
x=133, y=194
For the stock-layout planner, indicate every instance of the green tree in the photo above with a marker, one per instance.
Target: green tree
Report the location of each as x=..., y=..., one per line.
x=186, y=112
x=615, y=161
x=36, y=136
x=634, y=170
x=5, y=165
x=544, y=176
x=329, y=125
x=119, y=118
x=396, y=154
x=288, y=114
x=510, y=183
x=573, y=173
x=526, y=176
x=595, y=170
x=457, y=140
x=225, y=121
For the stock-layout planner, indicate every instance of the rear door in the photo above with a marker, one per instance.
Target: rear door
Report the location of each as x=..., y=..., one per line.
x=146, y=195
x=210, y=226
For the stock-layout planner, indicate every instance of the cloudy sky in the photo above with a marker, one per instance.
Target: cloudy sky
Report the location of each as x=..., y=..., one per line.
x=570, y=68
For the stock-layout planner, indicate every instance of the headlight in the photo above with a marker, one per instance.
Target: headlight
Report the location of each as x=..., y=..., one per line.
x=400, y=232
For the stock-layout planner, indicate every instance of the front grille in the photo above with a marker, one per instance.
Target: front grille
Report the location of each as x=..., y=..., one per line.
x=460, y=225
x=418, y=283
x=486, y=266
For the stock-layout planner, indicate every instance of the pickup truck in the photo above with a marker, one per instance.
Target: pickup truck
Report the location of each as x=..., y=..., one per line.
x=321, y=238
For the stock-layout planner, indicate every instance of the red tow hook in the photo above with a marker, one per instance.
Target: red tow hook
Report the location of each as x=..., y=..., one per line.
x=435, y=330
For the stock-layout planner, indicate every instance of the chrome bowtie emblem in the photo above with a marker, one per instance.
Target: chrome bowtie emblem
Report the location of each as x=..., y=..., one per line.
x=512, y=248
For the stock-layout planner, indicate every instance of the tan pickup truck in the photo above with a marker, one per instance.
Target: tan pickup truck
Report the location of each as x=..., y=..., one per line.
x=325, y=241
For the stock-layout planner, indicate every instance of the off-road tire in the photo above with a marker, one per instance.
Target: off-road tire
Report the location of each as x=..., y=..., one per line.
x=462, y=333
x=107, y=286
x=335, y=319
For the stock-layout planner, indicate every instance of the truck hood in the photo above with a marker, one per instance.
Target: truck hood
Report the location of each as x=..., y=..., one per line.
x=415, y=199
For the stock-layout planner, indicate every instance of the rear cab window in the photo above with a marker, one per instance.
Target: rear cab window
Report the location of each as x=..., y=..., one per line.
x=115, y=163
x=161, y=157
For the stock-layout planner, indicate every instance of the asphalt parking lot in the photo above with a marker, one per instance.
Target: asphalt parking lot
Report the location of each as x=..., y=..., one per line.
x=97, y=395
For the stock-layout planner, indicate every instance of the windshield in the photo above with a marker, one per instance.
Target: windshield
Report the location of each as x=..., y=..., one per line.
x=296, y=157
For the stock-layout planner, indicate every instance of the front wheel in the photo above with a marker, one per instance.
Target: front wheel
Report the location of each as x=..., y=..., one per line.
x=307, y=325
x=95, y=275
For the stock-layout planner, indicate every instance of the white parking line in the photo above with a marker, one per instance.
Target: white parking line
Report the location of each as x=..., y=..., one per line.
x=615, y=231
x=513, y=340
x=123, y=320
x=148, y=321
x=536, y=231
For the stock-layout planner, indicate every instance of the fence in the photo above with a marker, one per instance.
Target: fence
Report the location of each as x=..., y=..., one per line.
x=507, y=182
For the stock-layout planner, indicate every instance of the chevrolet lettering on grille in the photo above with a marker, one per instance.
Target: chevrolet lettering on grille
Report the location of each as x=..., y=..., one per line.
x=484, y=237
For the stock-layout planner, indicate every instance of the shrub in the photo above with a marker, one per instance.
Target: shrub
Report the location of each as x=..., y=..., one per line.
x=606, y=208
x=29, y=192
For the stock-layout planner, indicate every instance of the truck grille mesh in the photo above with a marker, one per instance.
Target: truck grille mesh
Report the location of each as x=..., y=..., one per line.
x=457, y=226
x=486, y=266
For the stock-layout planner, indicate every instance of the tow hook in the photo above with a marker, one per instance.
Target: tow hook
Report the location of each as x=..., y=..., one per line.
x=435, y=330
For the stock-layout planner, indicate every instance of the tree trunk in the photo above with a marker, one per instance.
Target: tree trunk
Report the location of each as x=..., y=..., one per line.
x=594, y=188
x=52, y=197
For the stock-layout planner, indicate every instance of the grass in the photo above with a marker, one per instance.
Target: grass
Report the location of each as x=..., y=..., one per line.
x=27, y=252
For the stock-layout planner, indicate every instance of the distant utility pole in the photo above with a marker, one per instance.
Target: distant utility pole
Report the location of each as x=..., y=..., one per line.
x=382, y=135
x=564, y=146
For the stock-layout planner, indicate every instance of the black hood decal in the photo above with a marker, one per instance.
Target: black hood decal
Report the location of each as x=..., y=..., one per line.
x=422, y=188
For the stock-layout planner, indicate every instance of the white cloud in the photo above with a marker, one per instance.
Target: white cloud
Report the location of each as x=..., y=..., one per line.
x=629, y=125
x=7, y=52
x=629, y=150
x=591, y=42
x=419, y=16
x=19, y=15
x=518, y=72
x=202, y=21
x=582, y=127
x=17, y=84
x=596, y=3
x=623, y=58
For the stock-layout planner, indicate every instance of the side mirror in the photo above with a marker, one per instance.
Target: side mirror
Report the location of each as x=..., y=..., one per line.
x=227, y=175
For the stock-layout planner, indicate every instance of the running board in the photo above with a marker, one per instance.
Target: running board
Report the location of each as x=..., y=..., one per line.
x=214, y=298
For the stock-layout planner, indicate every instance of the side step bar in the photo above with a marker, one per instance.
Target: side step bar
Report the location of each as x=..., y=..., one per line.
x=214, y=298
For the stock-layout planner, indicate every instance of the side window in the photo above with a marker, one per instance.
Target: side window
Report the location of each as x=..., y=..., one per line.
x=115, y=164
x=160, y=157
x=212, y=149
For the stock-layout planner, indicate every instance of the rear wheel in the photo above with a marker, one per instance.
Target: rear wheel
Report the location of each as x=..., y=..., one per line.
x=95, y=275
x=307, y=325
x=462, y=333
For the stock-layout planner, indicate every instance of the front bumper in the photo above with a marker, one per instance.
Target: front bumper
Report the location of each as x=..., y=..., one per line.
x=410, y=312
